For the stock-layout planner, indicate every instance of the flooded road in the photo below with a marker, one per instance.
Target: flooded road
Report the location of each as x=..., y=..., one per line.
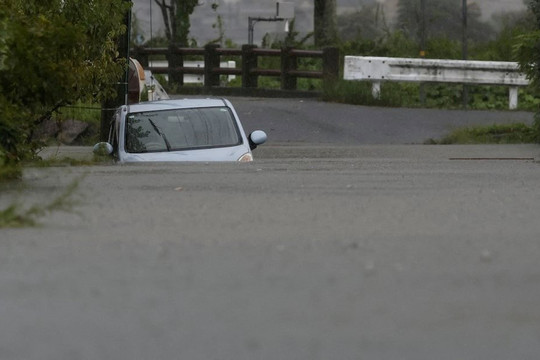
x=310, y=252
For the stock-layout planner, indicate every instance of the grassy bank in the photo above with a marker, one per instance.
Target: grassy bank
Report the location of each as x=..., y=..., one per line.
x=495, y=134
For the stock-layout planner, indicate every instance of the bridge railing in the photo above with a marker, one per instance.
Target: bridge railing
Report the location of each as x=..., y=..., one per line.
x=289, y=70
x=379, y=69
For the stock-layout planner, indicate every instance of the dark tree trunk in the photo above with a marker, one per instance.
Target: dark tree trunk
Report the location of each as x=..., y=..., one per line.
x=324, y=22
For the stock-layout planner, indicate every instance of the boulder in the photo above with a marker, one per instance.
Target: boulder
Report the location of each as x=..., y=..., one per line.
x=70, y=130
x=65, y=132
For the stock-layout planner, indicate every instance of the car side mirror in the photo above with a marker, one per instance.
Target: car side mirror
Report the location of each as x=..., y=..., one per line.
x=103, y=149
x=256, y=138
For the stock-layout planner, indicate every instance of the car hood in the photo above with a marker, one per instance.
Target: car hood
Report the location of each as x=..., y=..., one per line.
x=218, y=154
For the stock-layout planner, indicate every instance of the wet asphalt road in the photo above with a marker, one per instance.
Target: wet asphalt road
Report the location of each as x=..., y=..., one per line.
x=314, y=251
x=312, y=121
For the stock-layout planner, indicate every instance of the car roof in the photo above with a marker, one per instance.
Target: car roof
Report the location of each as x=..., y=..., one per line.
x=177, y=104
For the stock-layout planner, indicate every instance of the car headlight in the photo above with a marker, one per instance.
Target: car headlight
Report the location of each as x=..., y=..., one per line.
x=247, y=157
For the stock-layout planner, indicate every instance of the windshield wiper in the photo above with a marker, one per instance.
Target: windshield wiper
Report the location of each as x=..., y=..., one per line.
x=156, y=128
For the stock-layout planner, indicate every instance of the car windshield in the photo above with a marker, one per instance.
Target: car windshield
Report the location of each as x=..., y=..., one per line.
x=181, y=129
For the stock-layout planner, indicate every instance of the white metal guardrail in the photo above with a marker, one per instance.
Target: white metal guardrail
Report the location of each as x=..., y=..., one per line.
x=378, y=69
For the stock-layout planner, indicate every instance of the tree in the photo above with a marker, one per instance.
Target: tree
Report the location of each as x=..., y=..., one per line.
x=509, y=26
x=176, y=19
x=368, y=22
x=527, y=53
x=442, y=20
x=324, y=22
x=53, y=53
x=527, y=48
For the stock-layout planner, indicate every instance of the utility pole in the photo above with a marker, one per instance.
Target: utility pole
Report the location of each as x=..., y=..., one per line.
x=422, y=45
x=422, y=28
x=464, y=44
x=108, y=107
x=464, y=50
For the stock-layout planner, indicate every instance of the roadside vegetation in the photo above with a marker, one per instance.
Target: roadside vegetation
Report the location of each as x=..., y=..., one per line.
x=53, y=54
x=517, y=133
x=16, y=215
x=367, y=33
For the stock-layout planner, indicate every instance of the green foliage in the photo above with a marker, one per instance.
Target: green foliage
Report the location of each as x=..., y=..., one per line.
x=89, y=113
x=53, y=53
x=290, y=39
x=9, y=170
x=369, y=22
x=440, y=96
x=443, y=35
x=359, y=93
x=527, y=53
x=496, y=134
x=219, y=26
x=176, y=19
x=15, y=216
x=501, y=48
x=442, y=19
x=443, y=48
x=401, y=43
x=12, y=216
x=157, y=42
x=392, y=44
x=397, y=44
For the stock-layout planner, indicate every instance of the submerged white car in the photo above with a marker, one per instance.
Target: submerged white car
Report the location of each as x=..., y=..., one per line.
x=179, y=130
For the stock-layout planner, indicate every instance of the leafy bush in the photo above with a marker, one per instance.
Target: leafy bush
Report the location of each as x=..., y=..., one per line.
x=53, y=54
x=359, y=93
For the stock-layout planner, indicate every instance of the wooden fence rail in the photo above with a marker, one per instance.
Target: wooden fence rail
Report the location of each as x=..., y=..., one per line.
x=250, y=71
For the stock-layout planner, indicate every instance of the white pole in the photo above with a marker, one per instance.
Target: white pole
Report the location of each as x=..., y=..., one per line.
x=376, y=89
x=513, y=97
